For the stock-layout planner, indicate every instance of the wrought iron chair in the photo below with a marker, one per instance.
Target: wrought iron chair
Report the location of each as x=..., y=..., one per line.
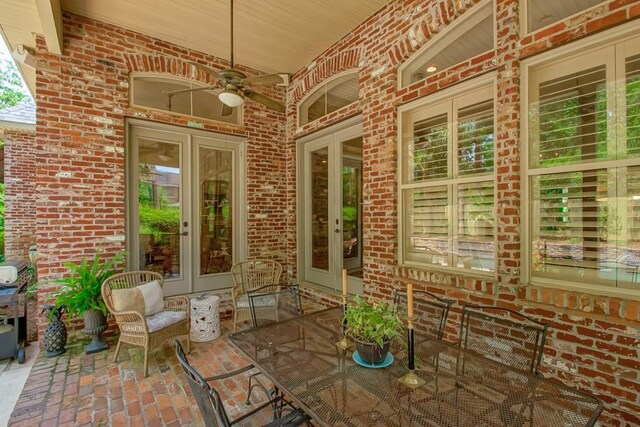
x=151, y=331
x=430, y=311
x=504, y=336
x=249, y=276
x=276, y=411
x=283, y=299
x=509, y=338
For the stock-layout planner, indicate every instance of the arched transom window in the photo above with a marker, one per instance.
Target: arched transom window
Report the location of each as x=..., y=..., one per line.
x=468, y=36
x=171, y=94
x=338, y=92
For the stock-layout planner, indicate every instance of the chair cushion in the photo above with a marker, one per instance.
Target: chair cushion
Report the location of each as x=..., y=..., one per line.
x=146, y=299
x=160, y=320
x=262, y=301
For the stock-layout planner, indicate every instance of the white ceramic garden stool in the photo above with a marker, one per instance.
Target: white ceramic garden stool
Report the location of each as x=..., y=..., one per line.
x=205, y=318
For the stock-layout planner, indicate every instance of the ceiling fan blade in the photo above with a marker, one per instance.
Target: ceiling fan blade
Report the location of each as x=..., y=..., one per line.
x=207, y=70
x=268, y=102
x=226, y=110
x=281, y=79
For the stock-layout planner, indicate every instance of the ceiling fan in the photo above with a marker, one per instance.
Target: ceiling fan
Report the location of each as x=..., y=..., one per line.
x=233, y=85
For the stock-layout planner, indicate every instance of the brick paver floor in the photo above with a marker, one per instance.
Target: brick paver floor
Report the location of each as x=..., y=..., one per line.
x=79, y=390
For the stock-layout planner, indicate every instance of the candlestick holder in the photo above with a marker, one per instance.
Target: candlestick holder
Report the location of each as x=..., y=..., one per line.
x=410, y=379
x=344, y=342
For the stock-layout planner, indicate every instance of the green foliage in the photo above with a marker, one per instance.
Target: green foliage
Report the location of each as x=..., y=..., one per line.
x=81, y=289
x=372, y=322
x=11, y=89
x=159, y=220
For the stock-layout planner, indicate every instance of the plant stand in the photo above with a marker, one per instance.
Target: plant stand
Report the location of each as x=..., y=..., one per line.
x=95, y=323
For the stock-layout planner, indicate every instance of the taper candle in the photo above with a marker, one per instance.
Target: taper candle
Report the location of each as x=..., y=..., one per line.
x=410, y=300
x=344, y=282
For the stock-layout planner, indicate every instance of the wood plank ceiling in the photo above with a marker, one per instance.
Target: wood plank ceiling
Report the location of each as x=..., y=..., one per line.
x=270, y=35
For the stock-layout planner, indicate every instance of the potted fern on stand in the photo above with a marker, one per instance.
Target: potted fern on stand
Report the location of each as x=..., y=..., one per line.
x=80, y=293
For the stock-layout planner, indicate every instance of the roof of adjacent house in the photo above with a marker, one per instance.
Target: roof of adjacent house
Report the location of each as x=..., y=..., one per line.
x=23, y=113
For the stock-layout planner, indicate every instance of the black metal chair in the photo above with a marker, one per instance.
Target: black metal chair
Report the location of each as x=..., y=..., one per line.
x=276, y=411
x=504, y=336
x=284, y=299
x=430, y=311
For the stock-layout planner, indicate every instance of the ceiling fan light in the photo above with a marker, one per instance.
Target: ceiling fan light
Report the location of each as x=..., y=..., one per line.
x=230, y=98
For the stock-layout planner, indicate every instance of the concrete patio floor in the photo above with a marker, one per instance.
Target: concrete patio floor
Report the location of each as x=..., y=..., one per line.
x=75, y=389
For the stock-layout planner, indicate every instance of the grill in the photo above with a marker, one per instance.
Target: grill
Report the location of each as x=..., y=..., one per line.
x=14, y=277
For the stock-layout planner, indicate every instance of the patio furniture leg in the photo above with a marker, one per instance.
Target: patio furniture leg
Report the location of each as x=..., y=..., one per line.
x=115, y=356
x=235, y=320
x=146, y=360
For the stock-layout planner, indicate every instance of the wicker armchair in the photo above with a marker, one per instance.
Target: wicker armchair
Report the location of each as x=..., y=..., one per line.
x=249, y=276
x=133, y=325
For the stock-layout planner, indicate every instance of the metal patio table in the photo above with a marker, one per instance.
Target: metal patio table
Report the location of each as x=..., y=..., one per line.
x=462, y=389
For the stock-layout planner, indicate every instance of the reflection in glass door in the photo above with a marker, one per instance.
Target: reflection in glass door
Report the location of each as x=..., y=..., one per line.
x=161, y=223
x=183, y=216
x=332, y=209
x=320, y=209
x=214, y=206
x=352, y=208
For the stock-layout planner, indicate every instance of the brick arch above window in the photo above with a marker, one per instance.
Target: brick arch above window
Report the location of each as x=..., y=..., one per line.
x=323, y=69
x=168, y=65
x=429, y=22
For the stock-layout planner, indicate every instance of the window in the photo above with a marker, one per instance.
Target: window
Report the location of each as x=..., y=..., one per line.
x=152, y=92
x=467, y=37
x=541, y=13
x=336, y=93
x=447, y=182
x=584, y=167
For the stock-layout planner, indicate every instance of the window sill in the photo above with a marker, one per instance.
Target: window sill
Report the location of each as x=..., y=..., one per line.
x=585, y=288
x=454, y=277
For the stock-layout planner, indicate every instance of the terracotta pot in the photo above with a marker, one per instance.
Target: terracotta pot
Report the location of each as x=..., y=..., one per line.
x=371, y=352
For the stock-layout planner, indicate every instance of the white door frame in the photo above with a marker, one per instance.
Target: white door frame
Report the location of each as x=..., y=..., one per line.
x=190, y=138
x=331, y=137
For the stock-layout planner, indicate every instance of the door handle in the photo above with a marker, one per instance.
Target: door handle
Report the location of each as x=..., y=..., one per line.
x=184, y=233
x=337, y=230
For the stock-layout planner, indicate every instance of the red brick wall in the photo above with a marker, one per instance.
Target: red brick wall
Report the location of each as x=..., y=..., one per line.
x=82, y=102
x=594, y=339
x=20, y=195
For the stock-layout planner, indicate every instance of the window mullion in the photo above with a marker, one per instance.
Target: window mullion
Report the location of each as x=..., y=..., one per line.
x=453, y=188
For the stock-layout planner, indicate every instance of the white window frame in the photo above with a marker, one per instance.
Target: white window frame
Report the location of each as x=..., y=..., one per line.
x=192, y=83
x=321, y=90
x=524, y=17
x=404, y=127
x=443, y=39
x=615, y=35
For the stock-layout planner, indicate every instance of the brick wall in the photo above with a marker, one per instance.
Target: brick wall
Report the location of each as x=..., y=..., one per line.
x=20, y=197
x=594, y=339
x=82, y=103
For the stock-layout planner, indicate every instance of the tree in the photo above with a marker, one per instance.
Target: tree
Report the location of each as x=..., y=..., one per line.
x=11, y=89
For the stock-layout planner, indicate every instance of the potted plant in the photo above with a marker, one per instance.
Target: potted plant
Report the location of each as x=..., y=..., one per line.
x=372, y=327
x=80, y=293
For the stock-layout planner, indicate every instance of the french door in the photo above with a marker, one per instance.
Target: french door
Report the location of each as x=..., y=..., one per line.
x=331, y=214
x=183, y=195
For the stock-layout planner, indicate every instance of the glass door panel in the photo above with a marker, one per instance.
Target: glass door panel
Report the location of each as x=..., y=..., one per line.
x=332, y=215
x=320, y=209
x=158, y=224
x=159, y=201
x=352, y=215
x=216, y=210
x=217, y=192
x=184, y=218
